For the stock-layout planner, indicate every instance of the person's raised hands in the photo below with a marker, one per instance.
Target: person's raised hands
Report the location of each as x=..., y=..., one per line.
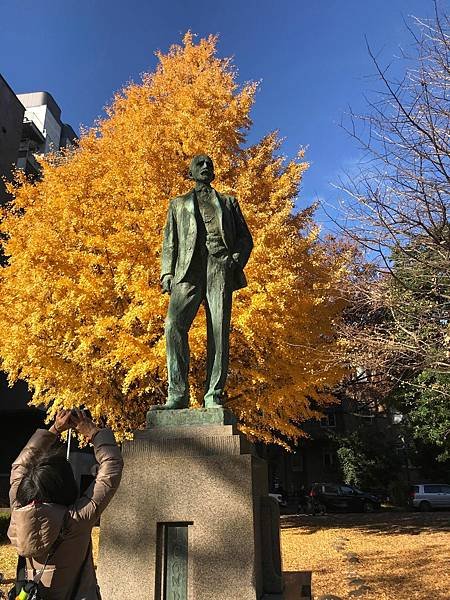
x=63, y=421
x=83, y=424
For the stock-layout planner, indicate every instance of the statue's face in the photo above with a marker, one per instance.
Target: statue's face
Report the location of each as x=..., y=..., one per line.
x=202, y=169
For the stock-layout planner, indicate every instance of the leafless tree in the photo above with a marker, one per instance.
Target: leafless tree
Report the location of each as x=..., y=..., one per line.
x=396, y=212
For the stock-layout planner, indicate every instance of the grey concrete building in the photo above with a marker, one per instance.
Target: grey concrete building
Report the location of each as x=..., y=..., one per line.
x=43, y=130
x=11, y=118
x=30, y=124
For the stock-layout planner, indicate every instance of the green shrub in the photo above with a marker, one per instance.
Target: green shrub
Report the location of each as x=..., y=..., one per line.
x=4, y=524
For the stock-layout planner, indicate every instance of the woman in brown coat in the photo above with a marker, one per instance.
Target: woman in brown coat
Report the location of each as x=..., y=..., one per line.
x=45, y=503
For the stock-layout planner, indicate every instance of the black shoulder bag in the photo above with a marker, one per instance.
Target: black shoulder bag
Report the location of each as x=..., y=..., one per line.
x=26, y=589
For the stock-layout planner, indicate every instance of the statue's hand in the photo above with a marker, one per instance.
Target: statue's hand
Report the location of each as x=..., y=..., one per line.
x=166, y=284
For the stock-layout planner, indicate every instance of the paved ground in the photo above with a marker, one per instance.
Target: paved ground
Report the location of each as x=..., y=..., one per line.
x=380, y=556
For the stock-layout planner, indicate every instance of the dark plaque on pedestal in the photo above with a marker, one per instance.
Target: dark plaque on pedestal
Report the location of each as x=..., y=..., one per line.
x=176, y=561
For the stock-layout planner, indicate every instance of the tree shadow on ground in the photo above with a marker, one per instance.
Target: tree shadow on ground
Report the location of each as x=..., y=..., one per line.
x=378, y=523
x=399, y=584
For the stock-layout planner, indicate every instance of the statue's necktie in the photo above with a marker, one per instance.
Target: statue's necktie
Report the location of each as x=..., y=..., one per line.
x=205, y=205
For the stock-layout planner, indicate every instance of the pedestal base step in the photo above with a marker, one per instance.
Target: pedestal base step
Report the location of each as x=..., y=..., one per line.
x=297, y=586
x=183, y=417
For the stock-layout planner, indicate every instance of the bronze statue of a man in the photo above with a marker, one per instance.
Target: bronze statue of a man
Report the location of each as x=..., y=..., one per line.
x=206, y=246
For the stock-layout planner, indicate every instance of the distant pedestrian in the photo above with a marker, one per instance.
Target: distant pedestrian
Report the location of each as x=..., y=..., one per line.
x=48, y=518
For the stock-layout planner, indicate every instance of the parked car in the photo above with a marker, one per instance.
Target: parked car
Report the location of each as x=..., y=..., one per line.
x=425, y=496
x=340, y=497
x=380, y=493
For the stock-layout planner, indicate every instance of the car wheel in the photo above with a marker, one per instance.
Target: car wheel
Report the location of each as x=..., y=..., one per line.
x=424, y=506
x=368, y=507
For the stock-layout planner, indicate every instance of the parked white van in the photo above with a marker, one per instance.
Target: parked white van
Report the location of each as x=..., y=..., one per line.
x=426, y=496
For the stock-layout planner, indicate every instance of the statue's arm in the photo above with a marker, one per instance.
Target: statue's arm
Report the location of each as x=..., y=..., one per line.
x=170, y=244
x=244, y=241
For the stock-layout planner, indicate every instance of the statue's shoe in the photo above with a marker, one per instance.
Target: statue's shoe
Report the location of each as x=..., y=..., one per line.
x=213, y=404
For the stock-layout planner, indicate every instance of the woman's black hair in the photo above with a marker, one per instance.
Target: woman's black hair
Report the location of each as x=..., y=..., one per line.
x=49, y=478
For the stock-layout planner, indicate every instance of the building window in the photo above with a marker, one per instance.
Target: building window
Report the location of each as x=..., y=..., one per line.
x=297, y=462
x=329, y=458
x=328, y=420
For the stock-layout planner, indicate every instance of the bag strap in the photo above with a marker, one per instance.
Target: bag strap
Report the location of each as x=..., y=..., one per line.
x=53, y=549
x=21, y=568
x=22, y=563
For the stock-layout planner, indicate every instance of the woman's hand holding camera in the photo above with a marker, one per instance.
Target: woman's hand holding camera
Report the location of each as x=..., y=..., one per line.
x=83, y=424
x=76, y=419
x=62, y=422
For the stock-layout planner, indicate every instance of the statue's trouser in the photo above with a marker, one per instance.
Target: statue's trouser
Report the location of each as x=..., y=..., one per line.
x=185, y=300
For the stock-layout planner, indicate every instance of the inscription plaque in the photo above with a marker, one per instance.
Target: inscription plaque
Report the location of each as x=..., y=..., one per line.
x=175, y=561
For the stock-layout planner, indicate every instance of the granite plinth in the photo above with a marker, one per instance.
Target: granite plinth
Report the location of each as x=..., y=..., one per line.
x=207, y=476
x=184, y=417
x=297, y=586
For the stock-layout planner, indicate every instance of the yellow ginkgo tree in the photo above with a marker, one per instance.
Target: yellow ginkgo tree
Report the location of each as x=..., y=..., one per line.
x=81, y=310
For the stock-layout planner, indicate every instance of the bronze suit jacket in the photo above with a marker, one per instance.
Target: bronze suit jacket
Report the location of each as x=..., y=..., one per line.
x=180, y=236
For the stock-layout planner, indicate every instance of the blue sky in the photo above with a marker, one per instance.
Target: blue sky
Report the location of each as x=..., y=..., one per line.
x=311, y=58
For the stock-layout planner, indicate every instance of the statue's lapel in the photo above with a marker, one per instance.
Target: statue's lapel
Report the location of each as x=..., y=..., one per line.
x=190, y=208
x=189, y=203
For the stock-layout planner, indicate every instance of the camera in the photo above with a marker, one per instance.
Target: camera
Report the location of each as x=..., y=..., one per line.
x=83, y=410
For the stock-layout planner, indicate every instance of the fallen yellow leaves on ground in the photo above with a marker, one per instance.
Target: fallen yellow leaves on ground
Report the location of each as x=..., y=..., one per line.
x=313, y=551
x=382, y=556
x=8, y=562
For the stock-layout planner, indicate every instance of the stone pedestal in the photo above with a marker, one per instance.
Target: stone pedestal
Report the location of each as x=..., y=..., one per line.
x=192, y=519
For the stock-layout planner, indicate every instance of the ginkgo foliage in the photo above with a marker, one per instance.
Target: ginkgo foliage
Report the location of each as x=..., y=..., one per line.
x=81, y=309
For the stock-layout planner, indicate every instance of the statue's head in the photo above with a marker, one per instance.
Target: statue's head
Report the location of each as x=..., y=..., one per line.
x=201, y=169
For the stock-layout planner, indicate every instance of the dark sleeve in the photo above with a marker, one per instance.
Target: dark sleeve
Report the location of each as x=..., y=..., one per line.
x=170, y=244
x=244, y=241
x=98, y=495
x=39, y=441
